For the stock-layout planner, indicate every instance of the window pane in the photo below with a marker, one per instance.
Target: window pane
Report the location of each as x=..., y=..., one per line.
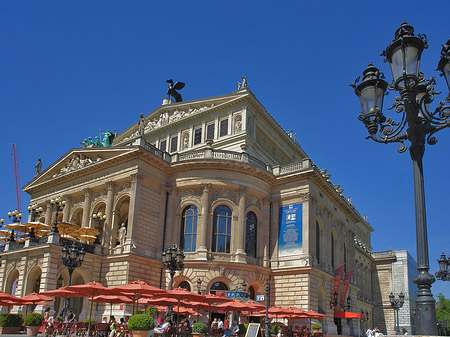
x=188, y=230
x=223, y=127
x=174, y=144
x=162, y=145
x=188, y=226
x=221, y=244
x=197, y=136
x=210, y=131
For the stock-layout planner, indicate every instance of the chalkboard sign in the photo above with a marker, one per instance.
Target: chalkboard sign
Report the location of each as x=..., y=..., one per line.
x=254, y=330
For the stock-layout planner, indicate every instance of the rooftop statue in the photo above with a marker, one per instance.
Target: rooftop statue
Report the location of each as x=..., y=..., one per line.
x=172, y=90
x=107, y=140
x=244, y=83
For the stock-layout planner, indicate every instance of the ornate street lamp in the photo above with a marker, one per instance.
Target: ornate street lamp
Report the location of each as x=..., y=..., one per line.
x=364, y=319
x=348, y=304
x=267, y=322
x=443, y=274
x=396, y=304
x=199, y=286
x=58, y=204
x=334, y=301
x=416, y=94
x=100, y=217
x=15, y=217
x=35, y=210
x=72, y=257
x=173, y=258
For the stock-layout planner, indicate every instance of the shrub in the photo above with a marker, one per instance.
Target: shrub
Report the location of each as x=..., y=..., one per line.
x=274, y=328
x=11, y=319
x=316, y=326
x=152, y=311
x=243, y=328
x=199, y=327
x=141, y=322
x=33, y=319
x=90, y=320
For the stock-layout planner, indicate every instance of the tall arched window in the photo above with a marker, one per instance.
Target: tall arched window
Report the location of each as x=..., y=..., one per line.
x=185, y=285
x=251, y=293
x=345, y=257
x=188, y=236
x=221, y=229
x=317, y=242
x=332, y=250
x=218, y=288
x=250, y=234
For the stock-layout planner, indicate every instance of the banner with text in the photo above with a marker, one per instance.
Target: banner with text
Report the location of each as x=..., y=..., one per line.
x=347, y=278
x=290, y=230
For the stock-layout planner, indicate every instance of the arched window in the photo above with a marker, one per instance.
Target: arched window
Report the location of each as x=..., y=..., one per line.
x=332, y=251
x=250, y=234
x=218, y=288
x=188, y=236
x=251, y=293
x=317, y=242
x=185, y=285
x=221, y=230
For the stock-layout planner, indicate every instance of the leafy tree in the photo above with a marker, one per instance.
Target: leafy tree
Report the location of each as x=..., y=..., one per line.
x=443, y=315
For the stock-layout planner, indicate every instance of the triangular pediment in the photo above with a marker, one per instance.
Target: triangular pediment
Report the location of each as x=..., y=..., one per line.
x=170, y=114
x=78, y=161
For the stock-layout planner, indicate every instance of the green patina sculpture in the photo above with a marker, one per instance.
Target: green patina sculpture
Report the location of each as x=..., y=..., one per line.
x=107, y=140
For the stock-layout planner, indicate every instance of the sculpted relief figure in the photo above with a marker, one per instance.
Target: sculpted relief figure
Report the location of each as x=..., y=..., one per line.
x=238, y=124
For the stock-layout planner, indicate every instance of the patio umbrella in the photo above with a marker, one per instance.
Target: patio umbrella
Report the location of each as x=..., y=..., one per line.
x=87, y=238
x=197, y=306
x=37, y=226
x=316, y=315
x=67, y=228
x=90, y=289
x=112, y=299
x=88, y=231
x=212, y=299
x=136, y=289
x=34, y=298
x=18, y=227
x=60, y=292
x=184, y=294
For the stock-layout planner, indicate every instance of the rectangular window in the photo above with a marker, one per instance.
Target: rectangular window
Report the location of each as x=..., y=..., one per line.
x=174, y=144
x=210, y=131
x=198, y=136
x=224, y=127
x=162, y=145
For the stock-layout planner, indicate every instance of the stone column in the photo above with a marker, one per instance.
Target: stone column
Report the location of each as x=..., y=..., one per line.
x=172, y=225
x=240, y=255
x=67, y=208
x=108, y=226
x=86, y=208
x=48, y=213
x=263, y=233
x=202, y=230
x=133, y=212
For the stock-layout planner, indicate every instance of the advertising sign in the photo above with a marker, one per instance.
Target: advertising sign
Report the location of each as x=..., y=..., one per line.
x=290, y=230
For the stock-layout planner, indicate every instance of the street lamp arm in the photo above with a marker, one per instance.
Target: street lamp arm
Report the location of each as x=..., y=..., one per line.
x=381, y=137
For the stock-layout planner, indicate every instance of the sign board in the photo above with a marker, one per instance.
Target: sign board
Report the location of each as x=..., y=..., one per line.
x=254, y=330
x=290, y=230
x=260, y=298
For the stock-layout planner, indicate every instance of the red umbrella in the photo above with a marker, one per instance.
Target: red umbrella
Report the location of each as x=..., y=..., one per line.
x=112, y=299
x=136, y=289
x=211, y=299
x=35, y=298
x=184, y=294
x=90, y=289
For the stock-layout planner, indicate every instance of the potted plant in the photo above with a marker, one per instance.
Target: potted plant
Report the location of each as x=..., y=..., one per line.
x=33, y=322
x=199, y=329
x=316, y=327
x=274, y=329
x=90, y=322
x=140, y=324
x=10, y=323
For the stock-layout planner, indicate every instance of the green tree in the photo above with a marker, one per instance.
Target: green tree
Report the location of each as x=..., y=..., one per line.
x=443, y=315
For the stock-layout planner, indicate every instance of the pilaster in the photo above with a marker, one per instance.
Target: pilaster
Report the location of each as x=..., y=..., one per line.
x=202, y=249
x=86, y=208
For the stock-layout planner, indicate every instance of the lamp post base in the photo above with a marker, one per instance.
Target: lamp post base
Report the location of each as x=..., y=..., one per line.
x=425, y=305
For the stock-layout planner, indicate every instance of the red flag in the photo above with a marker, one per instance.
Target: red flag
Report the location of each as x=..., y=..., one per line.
x=347, y=278
x=339, y=272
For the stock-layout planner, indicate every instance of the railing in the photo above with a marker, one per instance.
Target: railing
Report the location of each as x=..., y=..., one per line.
x=16, y=245
x=224, y=154
x=68, y=243
x=41, y=241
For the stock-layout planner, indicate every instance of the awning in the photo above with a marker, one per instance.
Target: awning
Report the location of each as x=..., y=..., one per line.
x=346, y=314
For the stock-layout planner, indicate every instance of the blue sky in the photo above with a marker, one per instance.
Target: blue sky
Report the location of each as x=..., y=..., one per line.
x=70, y=68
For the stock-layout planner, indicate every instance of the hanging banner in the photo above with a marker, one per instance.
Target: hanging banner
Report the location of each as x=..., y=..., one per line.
x=338, y=273
x=290, y=230
x=347, y=278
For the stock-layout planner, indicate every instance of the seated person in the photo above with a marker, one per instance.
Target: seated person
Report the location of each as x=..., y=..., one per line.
x=52, y=320
x=162, y=329
x=234, y=328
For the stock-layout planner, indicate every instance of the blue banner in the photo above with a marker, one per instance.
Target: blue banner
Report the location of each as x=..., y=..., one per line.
x=290, y=230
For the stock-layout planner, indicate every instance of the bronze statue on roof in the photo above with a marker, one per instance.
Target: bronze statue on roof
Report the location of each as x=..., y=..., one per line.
x=172, y=90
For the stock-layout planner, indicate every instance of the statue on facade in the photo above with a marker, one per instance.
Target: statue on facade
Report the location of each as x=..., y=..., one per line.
x=172, y=90
x=122, y=234
x=244, y=83
x=106, y=140
x=38, y=167
x=141, y=126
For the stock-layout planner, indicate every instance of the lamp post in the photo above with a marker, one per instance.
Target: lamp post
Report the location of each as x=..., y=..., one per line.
x=100, y=217
x=35, y=211
x=58, y=204
x=364, y=318
x=266, y=325
x=15, y=217
x=334, y=301
x=173, y=258
x=396, y=304
x=348, y=304
x=199, y=286
x=443, y=274
x=416, y=93
x=72, y=257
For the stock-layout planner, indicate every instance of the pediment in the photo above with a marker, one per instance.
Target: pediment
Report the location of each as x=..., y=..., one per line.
x=78, y=161
x=170, y=114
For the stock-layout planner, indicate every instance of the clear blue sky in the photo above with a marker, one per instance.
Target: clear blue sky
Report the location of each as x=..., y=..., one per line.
x=70, y=68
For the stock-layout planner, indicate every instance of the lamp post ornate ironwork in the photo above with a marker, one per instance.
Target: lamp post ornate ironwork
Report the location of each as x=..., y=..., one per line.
x=199, y=286
x=58, y=203
x=397, y=304
x=72, y=257
x=100, y=217
x=35, y=211
x=443, y=274
x=173, y=258
x=334, y=301
x=421, y=123
x=16, y=217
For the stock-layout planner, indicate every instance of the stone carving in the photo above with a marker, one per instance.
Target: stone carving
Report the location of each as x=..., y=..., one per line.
x=76, y=162
x=141, y=125
x=237, y=124
x=100, y=194
x=124, y=187
x=185, y=138
x=190, y=194
x=122, y=234
x=38, y=167
x=244, y=83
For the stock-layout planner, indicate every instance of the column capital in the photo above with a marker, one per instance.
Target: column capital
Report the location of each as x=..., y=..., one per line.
x=206, y=188
x=109, y=184
x=135, y=177
x=87, y=192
